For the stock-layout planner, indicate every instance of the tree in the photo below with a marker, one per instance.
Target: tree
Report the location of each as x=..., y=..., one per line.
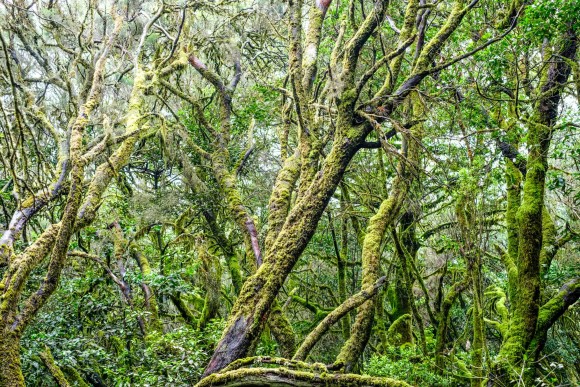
x=290, y=193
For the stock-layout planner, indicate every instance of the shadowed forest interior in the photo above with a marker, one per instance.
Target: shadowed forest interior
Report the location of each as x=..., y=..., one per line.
x=289, y=193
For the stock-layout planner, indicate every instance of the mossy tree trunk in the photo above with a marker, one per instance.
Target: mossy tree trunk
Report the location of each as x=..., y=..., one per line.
x=387, y=213
x=550, y=312
x=10, y=368
x=284, y=377
x=54, y=369
x=351, y=129
x=466, y=217
x=528, y=223
x=401, y=332
x=82, y=202
x=443, y=325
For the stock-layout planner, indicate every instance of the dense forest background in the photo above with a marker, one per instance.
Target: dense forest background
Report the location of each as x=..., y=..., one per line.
x=289, y=193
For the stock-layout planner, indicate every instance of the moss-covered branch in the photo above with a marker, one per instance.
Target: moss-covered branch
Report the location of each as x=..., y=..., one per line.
x=376, y=229
x=186, y=313
x=282, y=331
x=335, y=316
x=443, y=326
x=287, y=377
x=55, y=371
x=551, y=311
x=279, y=203
x=212, y=273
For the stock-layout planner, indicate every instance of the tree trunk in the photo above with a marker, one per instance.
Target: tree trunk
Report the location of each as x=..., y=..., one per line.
x=443, y=326
x=400, y=331
x=377, y=226
x=526, y=287
x=10, y=370
x=260, y=290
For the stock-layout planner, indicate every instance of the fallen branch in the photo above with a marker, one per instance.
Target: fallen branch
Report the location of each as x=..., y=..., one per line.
x=283, y=377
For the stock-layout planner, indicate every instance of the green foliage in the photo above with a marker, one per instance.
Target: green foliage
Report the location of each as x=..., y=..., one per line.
x=174, y=282
x=561, y=14
x=407, y=363
x=118, y=318
x=174, y=358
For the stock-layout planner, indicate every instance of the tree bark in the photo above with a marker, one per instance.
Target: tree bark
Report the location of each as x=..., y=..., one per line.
x=10, y=368
x=259, y=291
x=524, y=269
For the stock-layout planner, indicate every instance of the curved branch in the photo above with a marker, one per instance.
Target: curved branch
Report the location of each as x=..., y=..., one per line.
x=552, y=310
x=283, y=377
x=334, y=316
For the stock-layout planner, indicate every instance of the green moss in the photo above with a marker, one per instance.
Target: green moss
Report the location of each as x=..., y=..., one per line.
x=500, y=308
x=279, y=203
x=235, y=271
x=548, y=241
x=184, y=310
x=74, y=376
x=549, y=314
x=282, y=331
x=347, y=101
x=54, y=369
x=525, y=296
x=284, y=377
x=400, y=331
x=18, y=272
x=6, y=252
x=513, y=181
x=310, y=56
x=10, y=369
x=212, y=273
x=228, y=185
